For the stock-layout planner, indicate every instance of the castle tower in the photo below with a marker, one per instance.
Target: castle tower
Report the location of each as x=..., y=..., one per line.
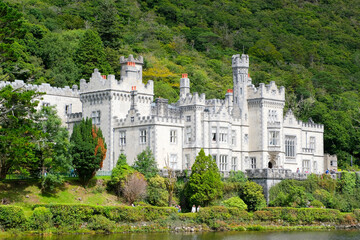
x=131, y=68
x=240, y=65
x=184, y=85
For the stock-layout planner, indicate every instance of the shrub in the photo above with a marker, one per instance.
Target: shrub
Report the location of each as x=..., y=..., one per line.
x=156, y=191
x=118, y=177
x=50, y=182
x=134, y=187
x=236, y=176
x=252, y=194
x=235, y=202
x=11, y=216
x=71, y=215
x=41, y=218
x=99, y=222
x=317, y=204
x=210, y=214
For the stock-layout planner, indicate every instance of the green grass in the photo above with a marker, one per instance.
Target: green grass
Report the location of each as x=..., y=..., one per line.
x=27, y=192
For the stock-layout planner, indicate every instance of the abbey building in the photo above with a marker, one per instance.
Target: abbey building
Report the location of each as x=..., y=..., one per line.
x=246, y=130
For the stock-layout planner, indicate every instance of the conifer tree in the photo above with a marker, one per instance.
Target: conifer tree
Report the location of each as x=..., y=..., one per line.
x=88, y=150
x=91, y=55
x=146, y=164
x=205, y=181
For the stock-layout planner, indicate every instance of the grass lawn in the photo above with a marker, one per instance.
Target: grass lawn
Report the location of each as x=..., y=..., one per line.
x=27, y=192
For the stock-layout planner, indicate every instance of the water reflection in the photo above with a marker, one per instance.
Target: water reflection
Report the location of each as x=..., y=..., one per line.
x=318, y=235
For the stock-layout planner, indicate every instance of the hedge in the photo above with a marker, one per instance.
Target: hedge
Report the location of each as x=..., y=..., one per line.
x=11, y=216
x=298, y=215
x=207, y=214
x=68, y=214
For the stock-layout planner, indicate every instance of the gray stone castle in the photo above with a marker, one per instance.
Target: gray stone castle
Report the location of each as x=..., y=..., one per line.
x=246, y=130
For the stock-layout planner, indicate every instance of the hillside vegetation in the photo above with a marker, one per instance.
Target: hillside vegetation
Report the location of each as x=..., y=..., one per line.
x=310, y=47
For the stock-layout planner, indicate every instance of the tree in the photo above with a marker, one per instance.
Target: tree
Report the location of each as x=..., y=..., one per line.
x=91, y=54
x=88, y=149
x=157, y=194
x=252, y=194
x=146, y=164
x=119, y=175
x=134, y=187
x=204, y=184
x=18, y=135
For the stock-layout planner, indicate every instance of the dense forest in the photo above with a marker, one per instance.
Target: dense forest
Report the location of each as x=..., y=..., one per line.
x=310, y=47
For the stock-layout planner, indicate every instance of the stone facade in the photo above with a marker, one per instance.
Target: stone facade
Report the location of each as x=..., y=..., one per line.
x=246, y=130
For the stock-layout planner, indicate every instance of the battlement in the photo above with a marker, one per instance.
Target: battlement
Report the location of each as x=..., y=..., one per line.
x=193, y=99
x=100, y=82
x=240, y=61
x=131, y=59
x=270, y=91
x=144, y=120
x=44, y=87
x=311, y=124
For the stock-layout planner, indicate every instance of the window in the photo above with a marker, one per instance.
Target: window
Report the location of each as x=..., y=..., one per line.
x=290, y=146
x=252, y=162
x=306, y=166
x=273, y=138
x=233, y=163
x=240, y=92
x=68, y=109
x=246, y=138
x=46, y=104
x=142, y=136
x=315, y=167
x=188, y=118
x=312, y=143
x=223, y=163
x=215, y=159
x=223, y=135
x=173, y=161
x=233, y=137
x=95, y=116
x=173, y=136
x=213, y=134
x=187, y=161
x=272, y=116
x=132, y=119
x=122, y=138
x=188, y=135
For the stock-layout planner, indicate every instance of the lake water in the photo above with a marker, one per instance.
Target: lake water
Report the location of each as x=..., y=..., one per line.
x=318, y=235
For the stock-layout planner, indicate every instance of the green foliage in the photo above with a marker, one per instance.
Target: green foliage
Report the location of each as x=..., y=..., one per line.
x=11, y=216
x=87, y=157
x=119, y=175
x=317, y=204
x=54, y=146
x=342, y=194
x=235, y=202
x=19, y=137
x=146, y=164
x=298, y=215
x=204, y=184
x=157, y=194
x=50, y=182
x=252, y=194
x=99, y=222
x=91, y=55
x=41, y=219
x=236, y=176
x=210, y=215
x=310, y=47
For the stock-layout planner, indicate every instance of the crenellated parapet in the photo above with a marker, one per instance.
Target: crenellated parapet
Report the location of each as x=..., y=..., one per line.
x=269, y=91
x=44, y=87
x=193, y=99
x=274, y=173
x=291, y=120
x=100, y=82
